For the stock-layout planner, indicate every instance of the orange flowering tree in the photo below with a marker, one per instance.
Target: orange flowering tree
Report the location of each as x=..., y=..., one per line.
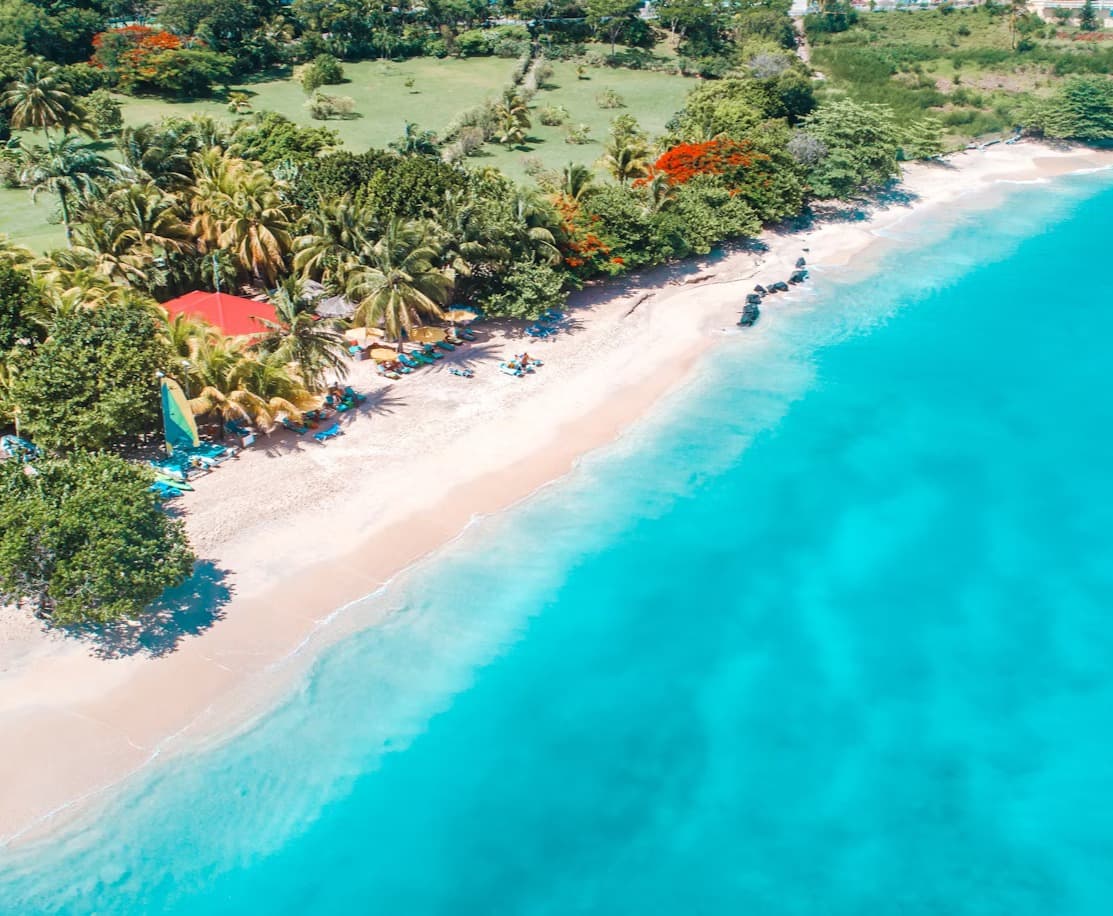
x=766, y=178
x=685, y=161
x=585, y=253
x=139, y=58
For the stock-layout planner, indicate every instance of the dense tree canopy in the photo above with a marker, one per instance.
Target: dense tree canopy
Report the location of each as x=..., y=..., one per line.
x=1080, y=109
x=94, y=381
x=82, y=539
x=860, y=143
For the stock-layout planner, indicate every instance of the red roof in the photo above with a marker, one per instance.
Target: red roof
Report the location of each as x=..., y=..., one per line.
x=234, y=315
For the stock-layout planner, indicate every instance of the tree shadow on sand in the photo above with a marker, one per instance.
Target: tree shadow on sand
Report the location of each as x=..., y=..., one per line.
x=858, y=210
x=188, y=610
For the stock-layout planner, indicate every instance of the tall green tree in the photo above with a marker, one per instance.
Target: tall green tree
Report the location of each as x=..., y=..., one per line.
x=396, y=282
x=1081, y=108
x=68, y=167
x=82, y=539
x=610, y=17
x=861, y=142
x=20, y=307
x=1088, y=19
x=94, y=381
x=313, y=348
x=41, y=100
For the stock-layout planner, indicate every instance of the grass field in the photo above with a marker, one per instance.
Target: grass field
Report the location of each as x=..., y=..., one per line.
x=30, y=224
x=958, y=66
x=384, y=103
x=653, y=98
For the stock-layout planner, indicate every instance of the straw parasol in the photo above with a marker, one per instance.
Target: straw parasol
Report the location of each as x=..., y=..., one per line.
x=460, y=316
x=383, y=355
x=428, y=335
x=361, y=337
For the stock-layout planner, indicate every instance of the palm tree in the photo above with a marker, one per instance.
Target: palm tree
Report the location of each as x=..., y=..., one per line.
x=575, y=181
x=415, y=142
x=66, y=167
x=40, y=100
x=184, y=335
x=395, y=281
x=235, y=387
x=470, y=245
x=332, y=233
x=312, y=347
x=538, y=223
x=158, y=153
x=237, y=207
x=513, y=118
x=659, y=191
x=143, y=217
x=626, y=157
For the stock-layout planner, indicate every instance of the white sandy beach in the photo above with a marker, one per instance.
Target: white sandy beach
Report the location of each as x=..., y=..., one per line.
x=292, y=530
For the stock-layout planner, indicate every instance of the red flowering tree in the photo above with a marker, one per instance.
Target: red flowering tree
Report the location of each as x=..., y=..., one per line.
x=139, y=58
x=123, y=52
x=685, y=161
x=585, y=253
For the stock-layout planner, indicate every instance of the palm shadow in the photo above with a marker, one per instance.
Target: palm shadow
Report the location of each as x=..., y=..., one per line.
x=468, y=355
x=382, y=399
x=188, y=610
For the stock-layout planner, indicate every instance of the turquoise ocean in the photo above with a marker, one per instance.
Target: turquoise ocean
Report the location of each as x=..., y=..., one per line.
x=830, y=633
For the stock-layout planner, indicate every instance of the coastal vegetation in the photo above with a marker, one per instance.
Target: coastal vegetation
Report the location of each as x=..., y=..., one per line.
x=977, y=70
x=504, y=207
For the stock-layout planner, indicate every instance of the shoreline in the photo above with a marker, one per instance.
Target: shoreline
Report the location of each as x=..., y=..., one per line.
x=309, y=534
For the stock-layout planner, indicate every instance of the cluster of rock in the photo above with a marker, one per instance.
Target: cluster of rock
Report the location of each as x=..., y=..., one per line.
x=751, y=311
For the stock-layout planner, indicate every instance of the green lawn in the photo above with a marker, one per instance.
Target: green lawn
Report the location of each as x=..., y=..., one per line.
x=384, y=103
x=651, y=97
x=30, y=224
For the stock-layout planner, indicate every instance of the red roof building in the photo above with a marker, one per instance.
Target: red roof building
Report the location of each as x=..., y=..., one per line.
x=234, y=315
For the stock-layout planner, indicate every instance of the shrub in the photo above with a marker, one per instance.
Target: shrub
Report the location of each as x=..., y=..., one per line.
x=608, y=98
x=578, y=134
x=322, y=107
x=527, y=290
x=105, y=112
x=329, y=68
x=553, y=115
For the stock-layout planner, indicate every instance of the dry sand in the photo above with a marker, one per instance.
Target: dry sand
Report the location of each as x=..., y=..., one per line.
x=292, y=530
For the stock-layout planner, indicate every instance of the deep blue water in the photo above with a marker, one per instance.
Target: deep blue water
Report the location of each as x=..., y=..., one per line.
x=830, y=635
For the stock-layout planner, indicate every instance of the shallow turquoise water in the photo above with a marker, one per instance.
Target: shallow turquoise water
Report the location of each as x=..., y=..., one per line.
x=831, y=636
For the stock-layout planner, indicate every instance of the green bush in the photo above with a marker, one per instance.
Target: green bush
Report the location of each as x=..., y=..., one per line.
x=106, y=114
x=84, y=540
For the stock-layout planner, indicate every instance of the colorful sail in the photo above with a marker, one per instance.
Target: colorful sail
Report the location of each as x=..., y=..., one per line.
x=177, y=418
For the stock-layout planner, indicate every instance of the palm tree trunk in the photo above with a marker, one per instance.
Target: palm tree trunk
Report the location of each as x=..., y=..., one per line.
x=66, y=216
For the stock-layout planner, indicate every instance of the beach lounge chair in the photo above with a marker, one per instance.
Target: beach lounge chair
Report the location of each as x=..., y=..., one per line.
x=508, y=369
x=466, y=334
x=163, y=490
x=355, y=395
x=454, y=340
x=463, y=373
x=445, y=345
x=406, y=360
x=422, y=357
x=237, y=429
x=289, y=424
x=329, y=433
x=431, y=351
x=18, y=447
